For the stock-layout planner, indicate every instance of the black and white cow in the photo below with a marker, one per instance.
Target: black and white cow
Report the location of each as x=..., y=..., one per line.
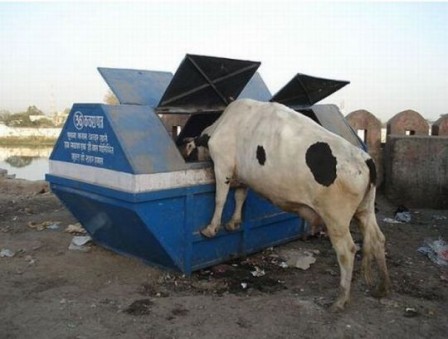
x=303, y=168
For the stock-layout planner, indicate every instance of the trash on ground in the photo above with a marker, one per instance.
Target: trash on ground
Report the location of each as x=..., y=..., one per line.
x=244, y=285
x=283, y=264
x=75, y=229
x=391, y=221
x=5, y=252
x=258, y=272
x=410, y=312
x=302, y=259
x=79, y=243
x=403, y=214
x=436, y=251
x=30, y=260
x=439, y=217
x=44, y=225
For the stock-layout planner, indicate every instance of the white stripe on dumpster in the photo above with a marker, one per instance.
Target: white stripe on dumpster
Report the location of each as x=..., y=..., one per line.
x=133, y=183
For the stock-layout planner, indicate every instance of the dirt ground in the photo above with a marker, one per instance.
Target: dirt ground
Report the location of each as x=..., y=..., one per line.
x=50, y=291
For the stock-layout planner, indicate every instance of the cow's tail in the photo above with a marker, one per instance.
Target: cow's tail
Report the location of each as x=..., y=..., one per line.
x=373, y=243
x=372, y=171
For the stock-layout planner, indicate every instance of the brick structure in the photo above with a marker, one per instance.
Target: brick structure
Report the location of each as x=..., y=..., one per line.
x=416, y=171
x=370, y=126
x=440, y=127
x=408, y=122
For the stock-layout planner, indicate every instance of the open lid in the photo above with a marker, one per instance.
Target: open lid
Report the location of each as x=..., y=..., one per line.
x=136, y=87
x=256, y=89
x=304, y=91
x=208, y=83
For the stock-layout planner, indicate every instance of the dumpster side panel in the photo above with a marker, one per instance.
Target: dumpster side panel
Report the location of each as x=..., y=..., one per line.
x=117, y=226
x=88, y=139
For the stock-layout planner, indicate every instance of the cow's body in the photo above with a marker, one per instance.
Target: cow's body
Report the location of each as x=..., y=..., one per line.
x=302, y=168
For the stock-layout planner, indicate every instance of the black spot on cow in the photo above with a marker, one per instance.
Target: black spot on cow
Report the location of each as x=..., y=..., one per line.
x=322, y=163
x=372, y=170
x=202, y=140
x=261, y=155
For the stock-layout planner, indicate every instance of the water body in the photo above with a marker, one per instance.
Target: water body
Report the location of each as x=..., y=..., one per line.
x=24, y=162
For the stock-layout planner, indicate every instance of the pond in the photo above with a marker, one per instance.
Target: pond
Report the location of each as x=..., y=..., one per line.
x=25, y=162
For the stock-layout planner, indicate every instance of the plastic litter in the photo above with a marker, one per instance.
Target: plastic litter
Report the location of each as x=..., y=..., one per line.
x=391, y=221
x=44, y=225
x=298, y=258
x=258, y=272
x=403, y=217
x=5, y=252
x=436, y=251
x=78, y=243
x=403, y=214
x=410, y=312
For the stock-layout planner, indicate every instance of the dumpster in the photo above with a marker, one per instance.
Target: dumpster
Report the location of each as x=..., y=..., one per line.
x=118, y=170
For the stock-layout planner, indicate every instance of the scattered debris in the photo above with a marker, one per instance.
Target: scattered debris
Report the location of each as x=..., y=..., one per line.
x=30, y=260
x=283, y=264
x=75, y=229
x=258, y=272
x=436, y=250
x=391, y=221
x=410, y=312
x=403, y=214
x=5, y=252
x=78, y=243
x=244, y=285
x=44, y=225
x=299, y=258
x=439, y=217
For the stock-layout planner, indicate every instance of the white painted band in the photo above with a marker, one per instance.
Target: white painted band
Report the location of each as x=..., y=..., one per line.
x=132, y=183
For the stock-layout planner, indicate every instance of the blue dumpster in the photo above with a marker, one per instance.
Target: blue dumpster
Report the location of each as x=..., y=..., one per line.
x=118, y=170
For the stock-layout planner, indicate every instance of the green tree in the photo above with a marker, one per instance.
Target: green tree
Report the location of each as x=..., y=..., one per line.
x=22, y=119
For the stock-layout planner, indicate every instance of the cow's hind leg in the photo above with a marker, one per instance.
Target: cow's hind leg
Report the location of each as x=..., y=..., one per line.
x=373, y=248
x=240, y=198
x=344, y=246
x=222, y=176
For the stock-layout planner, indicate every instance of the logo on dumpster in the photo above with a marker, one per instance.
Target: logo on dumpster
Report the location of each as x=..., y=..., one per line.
x=77, y=120
x=93, y=121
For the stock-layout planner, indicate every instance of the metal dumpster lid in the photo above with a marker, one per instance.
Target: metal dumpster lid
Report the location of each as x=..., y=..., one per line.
x=136, y=87
x=256, y=89
x=204, y=82
x=305, y=90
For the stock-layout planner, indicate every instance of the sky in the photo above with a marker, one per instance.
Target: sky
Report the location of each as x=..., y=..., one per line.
x=395, y=54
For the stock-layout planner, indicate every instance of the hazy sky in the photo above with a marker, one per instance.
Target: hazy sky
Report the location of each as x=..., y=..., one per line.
x=394, y=54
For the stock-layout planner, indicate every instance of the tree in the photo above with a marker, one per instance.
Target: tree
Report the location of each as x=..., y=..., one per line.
x=4, y=114
x=22, y=119
x=33, y=110
x=110, y=98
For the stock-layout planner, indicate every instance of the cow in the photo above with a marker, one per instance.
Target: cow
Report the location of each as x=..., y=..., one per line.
x=302, y=168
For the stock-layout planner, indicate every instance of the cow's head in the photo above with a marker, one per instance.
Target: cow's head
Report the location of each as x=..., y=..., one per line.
x=195, y=149
x=188, y=148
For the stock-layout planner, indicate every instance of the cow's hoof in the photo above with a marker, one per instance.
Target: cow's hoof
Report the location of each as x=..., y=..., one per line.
x=337, y=307
x=381, y=291
x=209, y=232
x=233, y=226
